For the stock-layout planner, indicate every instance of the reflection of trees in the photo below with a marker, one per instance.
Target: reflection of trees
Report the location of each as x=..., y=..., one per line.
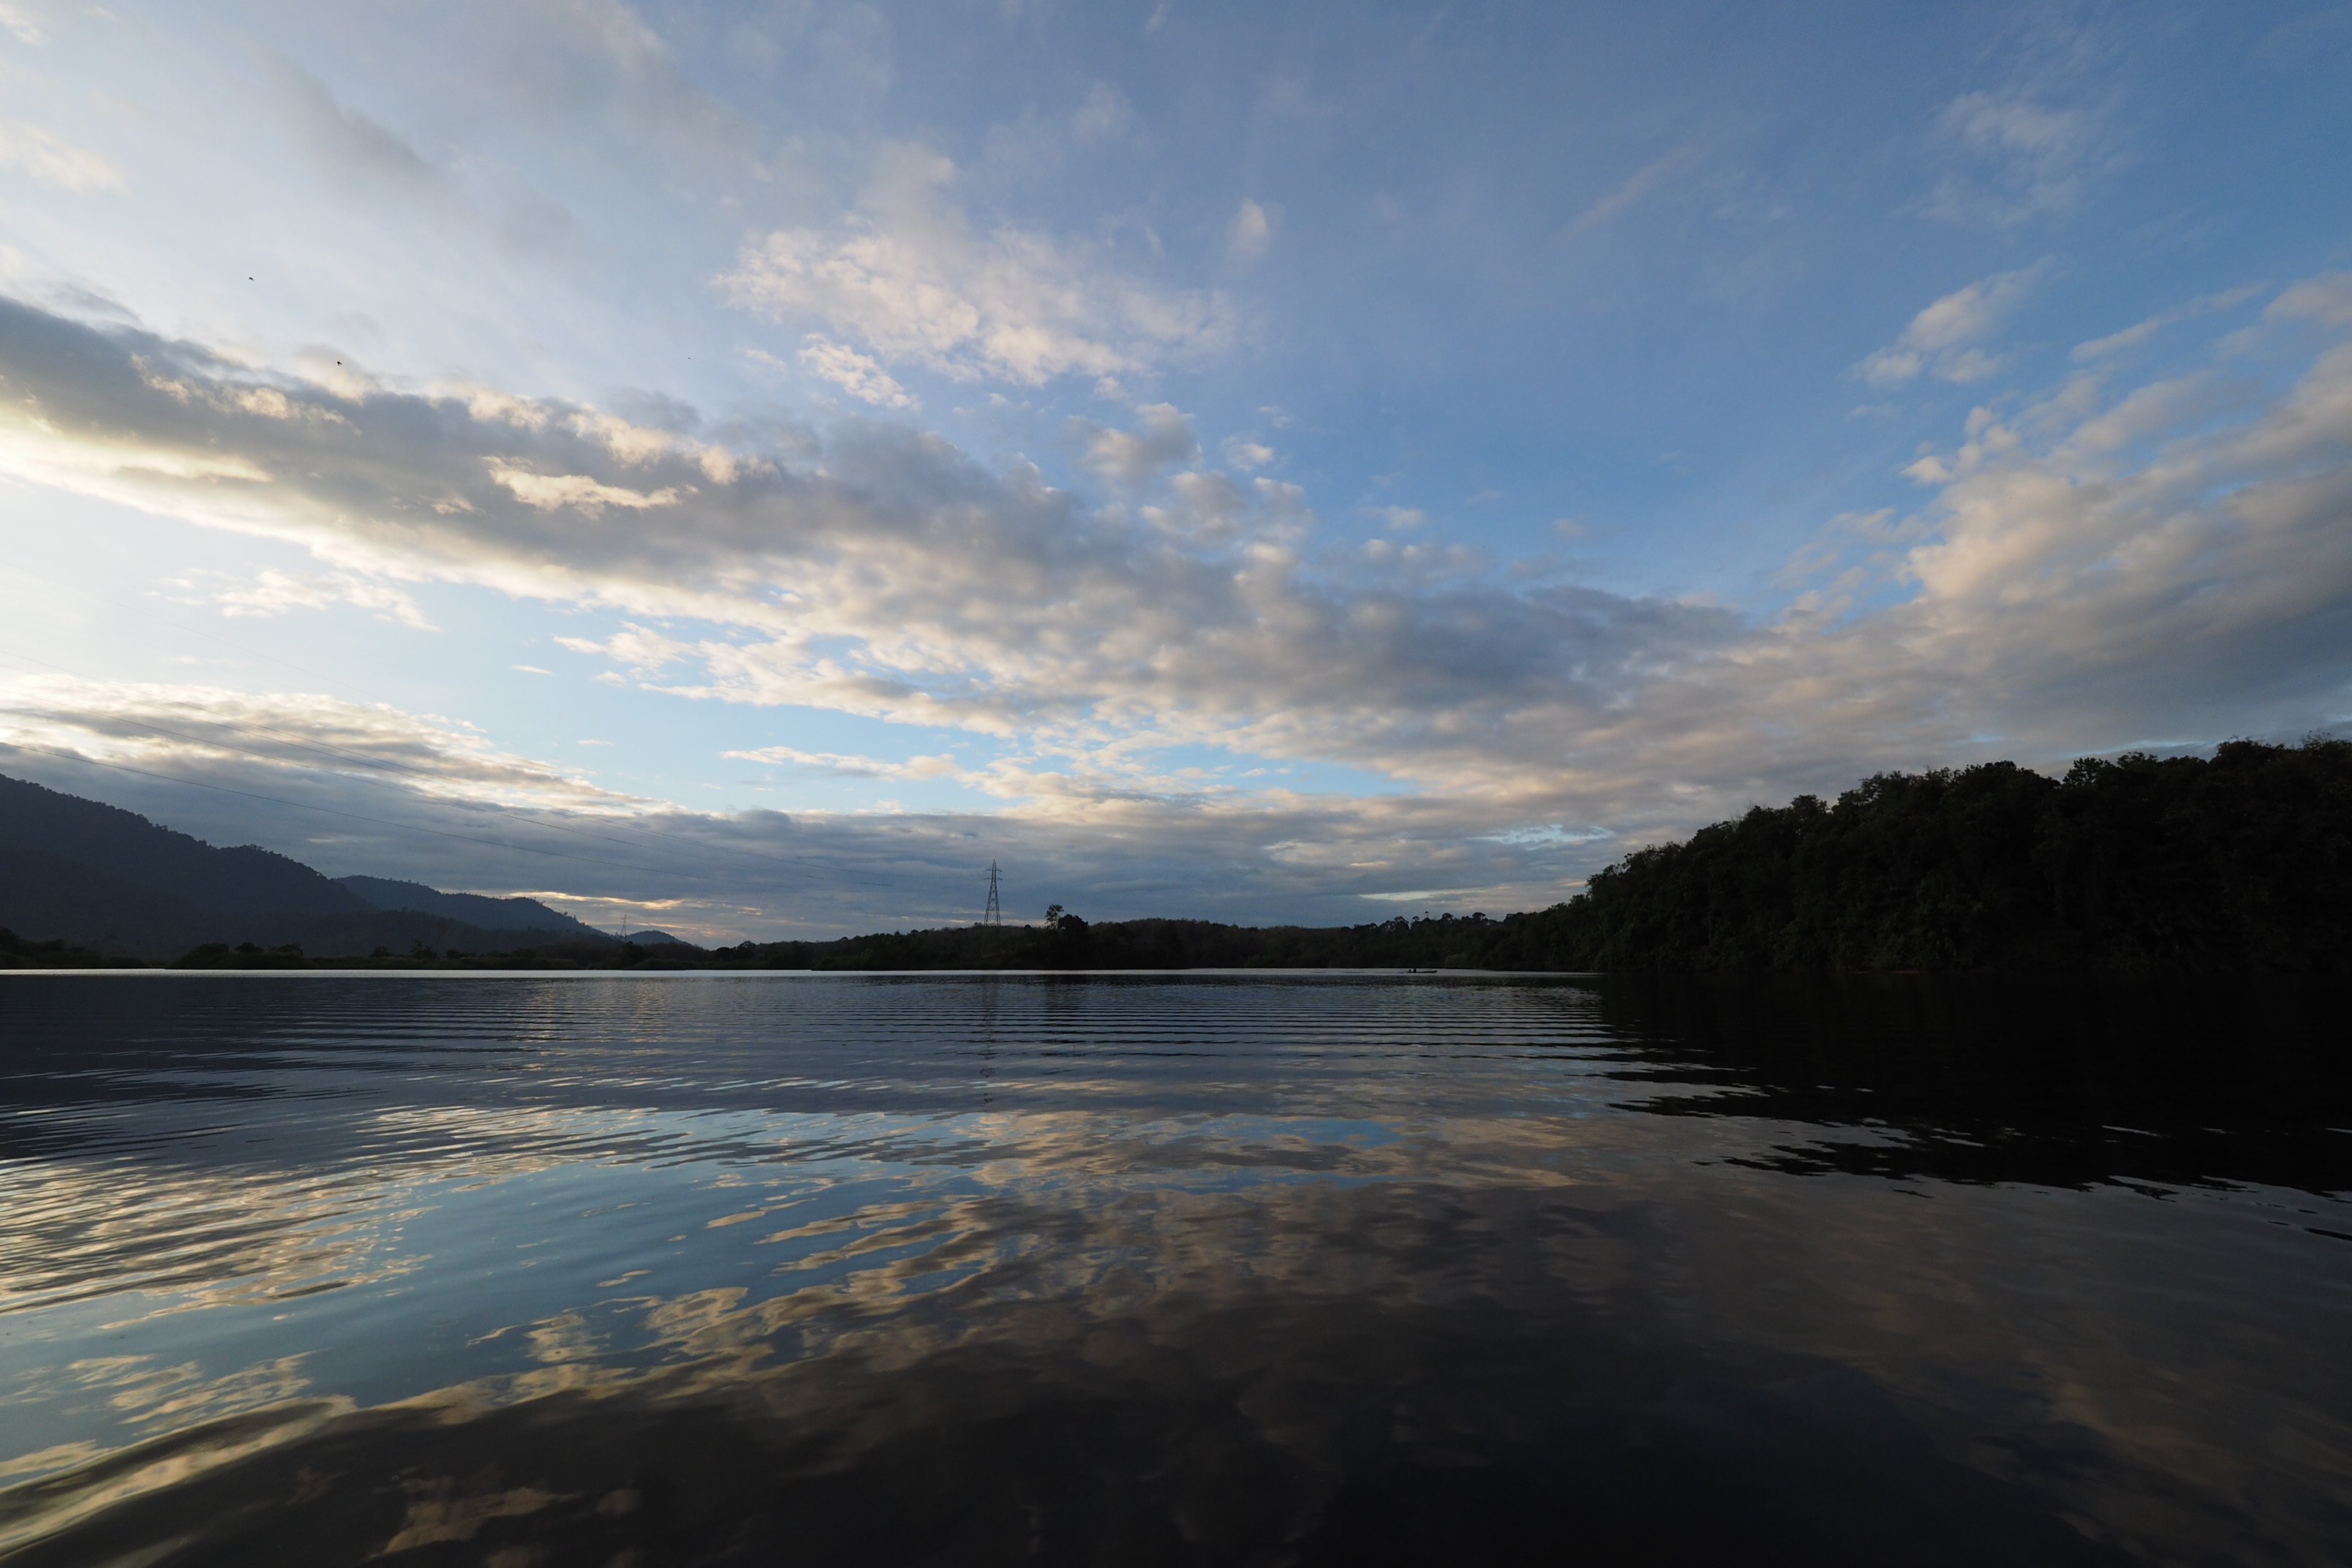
x=2053, y=1081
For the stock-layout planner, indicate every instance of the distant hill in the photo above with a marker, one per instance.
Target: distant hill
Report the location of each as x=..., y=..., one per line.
x=100, y=876
x=124, y=845
x=475, y=909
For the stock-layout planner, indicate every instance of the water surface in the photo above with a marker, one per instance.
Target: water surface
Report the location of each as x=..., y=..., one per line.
x=1174, y=1268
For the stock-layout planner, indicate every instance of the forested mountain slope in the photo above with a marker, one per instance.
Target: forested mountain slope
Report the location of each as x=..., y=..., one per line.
x=124, y=844
x=95, y=874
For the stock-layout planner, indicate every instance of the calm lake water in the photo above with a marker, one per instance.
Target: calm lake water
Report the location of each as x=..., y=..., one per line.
x=1217, y=1268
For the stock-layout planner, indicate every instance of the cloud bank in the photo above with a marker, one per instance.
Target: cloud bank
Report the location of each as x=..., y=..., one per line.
x=2093, y=567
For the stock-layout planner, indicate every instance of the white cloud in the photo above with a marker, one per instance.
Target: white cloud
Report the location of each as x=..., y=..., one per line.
x=1109, y=851
x=2087, y=573
x=575, y=492
x=2326, y=299
x=2141, y=332
x=22, y=21
x=2025, y=158
x=845, y=766
x=1247, y=453
x=1938, y=339
x=1252, y=230
x=53, y=160
x=1103, y=116
x=274, y=592
x=860, y=375
x=294, y=744
x=909, y=278
x=639, y=650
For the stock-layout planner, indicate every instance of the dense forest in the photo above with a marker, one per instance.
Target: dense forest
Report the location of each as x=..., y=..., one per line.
x=2242, y=861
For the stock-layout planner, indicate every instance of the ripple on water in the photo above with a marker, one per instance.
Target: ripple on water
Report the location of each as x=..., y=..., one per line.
x=1202, y=1268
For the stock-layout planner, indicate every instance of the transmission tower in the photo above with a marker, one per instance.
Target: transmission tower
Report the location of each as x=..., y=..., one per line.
x=995, y=913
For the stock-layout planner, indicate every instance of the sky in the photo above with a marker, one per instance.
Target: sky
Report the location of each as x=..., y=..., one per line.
x=744, y=468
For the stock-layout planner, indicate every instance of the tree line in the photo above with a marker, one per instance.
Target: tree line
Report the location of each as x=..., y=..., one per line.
x=2242, y=861
x=2239, y=862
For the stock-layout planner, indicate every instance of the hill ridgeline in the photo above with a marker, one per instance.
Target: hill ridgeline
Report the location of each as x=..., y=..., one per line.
x=2240, y=862
x=112, y=883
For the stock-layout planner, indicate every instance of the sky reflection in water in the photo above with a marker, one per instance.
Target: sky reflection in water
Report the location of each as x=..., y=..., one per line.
x=1196, y=1269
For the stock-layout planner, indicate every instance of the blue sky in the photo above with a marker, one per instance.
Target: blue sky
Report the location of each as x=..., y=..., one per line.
x=1250, y=461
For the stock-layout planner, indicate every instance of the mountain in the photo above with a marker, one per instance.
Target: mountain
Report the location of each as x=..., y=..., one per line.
x=99, y=875
x=123, y=845
x=473, y=908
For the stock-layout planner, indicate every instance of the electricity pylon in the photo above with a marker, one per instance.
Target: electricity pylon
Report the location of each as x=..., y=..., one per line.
x=995, y=913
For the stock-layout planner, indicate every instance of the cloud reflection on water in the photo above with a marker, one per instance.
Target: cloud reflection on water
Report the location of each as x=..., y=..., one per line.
x=1042, y=1284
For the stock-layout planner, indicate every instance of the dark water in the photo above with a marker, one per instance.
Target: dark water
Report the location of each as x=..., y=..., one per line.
x=1207, y=1269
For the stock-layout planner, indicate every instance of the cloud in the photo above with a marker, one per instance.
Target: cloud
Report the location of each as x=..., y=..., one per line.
x=1130, y=457
x=1635, y=188
x=855, y=374
x=22, y=21
x=574, y=492
x=347, y=143
x=354, y=153
x=842, y=766
x=2026, y=158
x=294, y=744
x=2088, y=571
x=721, y=875
x=909, y=278
x=1103, y=116
x=2141, y=332
x=1938, y=339
x=274, y=592
x=2326, y=299
x=46, y=156
x=1247, y=453
x=1252, y=230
